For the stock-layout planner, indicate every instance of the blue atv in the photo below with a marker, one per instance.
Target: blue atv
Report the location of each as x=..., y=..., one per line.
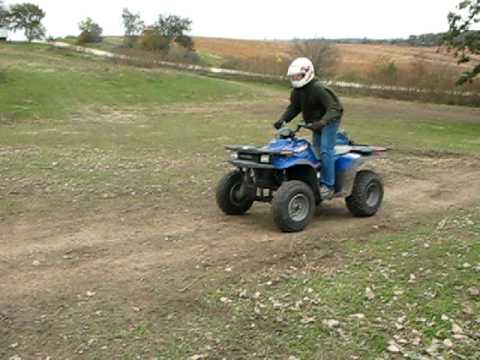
x=286, y=173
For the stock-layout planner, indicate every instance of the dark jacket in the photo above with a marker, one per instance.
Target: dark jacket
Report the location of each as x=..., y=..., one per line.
x=316, y=102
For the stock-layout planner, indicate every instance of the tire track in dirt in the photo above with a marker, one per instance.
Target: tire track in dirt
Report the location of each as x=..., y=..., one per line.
x=178, y=245
x=161, y=261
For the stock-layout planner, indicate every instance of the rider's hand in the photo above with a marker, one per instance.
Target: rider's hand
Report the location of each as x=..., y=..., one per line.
x=319, y=125
x=278, y=125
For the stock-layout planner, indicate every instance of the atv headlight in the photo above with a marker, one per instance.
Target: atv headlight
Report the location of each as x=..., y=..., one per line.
x=265, y=159
x=234, y=155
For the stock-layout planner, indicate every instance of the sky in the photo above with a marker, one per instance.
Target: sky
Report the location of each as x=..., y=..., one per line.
x=256, y=19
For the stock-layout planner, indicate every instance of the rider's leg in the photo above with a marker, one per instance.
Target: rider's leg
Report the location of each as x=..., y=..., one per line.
x=327, y=149
x=317, y=144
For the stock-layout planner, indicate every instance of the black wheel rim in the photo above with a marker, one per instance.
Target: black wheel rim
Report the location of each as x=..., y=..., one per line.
x=298, y=208
x=374, y=192
x=234, y=194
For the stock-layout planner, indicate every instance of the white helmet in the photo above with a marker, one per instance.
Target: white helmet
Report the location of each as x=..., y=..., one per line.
x=301, y=72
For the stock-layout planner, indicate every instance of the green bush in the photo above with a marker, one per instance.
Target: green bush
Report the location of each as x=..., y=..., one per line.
x=91, y=32
x=153, y=40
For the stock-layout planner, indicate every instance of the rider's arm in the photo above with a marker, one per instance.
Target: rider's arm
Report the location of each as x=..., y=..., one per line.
x=333, y=108
x=292, y=110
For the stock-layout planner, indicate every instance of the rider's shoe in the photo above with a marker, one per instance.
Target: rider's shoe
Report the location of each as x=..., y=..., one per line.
x=326, y=193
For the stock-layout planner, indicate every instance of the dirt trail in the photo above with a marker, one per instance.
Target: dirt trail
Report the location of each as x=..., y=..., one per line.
x=154, y=258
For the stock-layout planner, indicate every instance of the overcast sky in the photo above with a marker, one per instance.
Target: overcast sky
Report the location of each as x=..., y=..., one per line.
x=257, y=19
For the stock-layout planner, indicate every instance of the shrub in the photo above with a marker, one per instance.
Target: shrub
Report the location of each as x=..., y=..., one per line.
x=153, y=40
x=324, y=55
x=91, y=32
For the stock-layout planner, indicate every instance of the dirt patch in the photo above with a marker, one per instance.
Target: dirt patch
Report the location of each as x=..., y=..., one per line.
x=150, y=260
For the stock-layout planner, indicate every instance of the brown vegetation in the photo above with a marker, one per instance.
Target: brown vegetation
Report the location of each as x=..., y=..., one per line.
x=431, y=69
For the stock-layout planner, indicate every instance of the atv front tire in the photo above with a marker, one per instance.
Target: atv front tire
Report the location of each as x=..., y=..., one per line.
x=367, y=194
x=227, y=194
x=293, y=206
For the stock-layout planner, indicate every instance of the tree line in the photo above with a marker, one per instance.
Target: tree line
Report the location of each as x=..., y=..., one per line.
x=161, y=35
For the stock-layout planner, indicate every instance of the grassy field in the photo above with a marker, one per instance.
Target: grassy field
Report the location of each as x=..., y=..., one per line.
x=111, y=245
x=413, y=295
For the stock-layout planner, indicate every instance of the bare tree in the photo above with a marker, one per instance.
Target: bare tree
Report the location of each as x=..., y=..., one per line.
x=323, y=54
x=134, y=26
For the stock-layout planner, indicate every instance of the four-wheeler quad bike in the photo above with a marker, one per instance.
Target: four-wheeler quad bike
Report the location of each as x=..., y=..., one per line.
x=286, y=173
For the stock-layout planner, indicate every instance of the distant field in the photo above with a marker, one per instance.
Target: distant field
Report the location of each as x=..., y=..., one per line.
x=352, y=56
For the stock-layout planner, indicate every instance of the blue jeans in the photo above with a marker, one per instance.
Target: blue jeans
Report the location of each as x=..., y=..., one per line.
x=324, y=144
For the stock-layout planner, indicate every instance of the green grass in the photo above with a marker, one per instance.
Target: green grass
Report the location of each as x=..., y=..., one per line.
x=420, y=278
x=108, y=43
x=417, y=134
x=52, y=89
x=78, y=125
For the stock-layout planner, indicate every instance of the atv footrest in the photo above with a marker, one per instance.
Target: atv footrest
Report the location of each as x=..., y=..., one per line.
x=264, y=195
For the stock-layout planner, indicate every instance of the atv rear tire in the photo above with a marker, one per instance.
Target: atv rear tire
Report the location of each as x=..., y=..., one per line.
x=293, y=206
x=227, y=200
x=367, y=194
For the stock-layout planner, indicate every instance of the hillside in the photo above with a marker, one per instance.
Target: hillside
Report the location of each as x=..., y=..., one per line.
x=112, y=245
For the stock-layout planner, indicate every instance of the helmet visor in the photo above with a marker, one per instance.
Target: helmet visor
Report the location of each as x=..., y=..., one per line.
x=296, y=77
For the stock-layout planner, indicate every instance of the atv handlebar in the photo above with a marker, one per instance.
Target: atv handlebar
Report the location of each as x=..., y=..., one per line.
x=304, y=126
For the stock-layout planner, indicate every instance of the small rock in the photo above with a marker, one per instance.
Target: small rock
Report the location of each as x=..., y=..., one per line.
x=456, y=329
x=13, y=346
x=433, y=349
x=474, y=291
x=36, y=263
x=91, y=293
x=243, y=294
x=369, y=293
x=332, y=323
x=358, y=316
x=468, y=310
x=448, y=343
x=445, y=317
x=308, y=320
x=416, y=341
x=198, y=357
x=136, y=309
x=393, y=347
x=466, y=265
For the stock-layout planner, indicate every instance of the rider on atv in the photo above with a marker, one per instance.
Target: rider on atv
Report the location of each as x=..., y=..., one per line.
x=322, y=109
